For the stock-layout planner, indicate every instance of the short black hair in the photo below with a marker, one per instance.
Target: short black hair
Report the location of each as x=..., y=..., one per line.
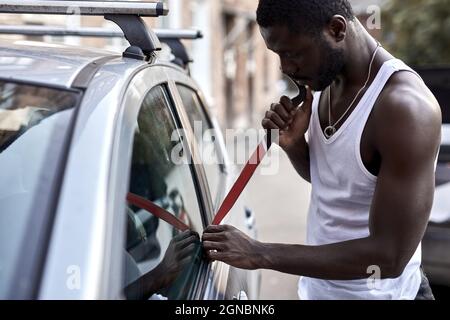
x=309, y=16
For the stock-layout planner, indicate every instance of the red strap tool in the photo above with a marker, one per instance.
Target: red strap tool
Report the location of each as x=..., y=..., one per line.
x=157, y=211
x=251, y=166
x=236, y=189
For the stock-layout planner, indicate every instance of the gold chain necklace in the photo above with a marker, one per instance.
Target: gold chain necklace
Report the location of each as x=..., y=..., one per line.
x=331, y=129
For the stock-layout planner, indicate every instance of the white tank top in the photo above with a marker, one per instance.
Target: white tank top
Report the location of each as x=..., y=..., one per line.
x=342, y=192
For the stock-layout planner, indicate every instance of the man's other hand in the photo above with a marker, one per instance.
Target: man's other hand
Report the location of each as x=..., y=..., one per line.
x=231, y=246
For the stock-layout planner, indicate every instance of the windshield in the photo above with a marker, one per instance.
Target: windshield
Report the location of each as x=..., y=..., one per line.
x=34, y=122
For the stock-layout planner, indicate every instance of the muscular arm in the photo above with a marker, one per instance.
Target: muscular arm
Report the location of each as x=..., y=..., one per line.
x=299, y=156
x=407, y=141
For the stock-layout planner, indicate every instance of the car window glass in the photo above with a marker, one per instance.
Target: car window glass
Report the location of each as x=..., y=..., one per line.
x=33, y=123
x=160, y=261
x=206, y=140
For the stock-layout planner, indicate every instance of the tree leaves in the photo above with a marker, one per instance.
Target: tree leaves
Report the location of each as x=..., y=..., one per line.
x=418, y=31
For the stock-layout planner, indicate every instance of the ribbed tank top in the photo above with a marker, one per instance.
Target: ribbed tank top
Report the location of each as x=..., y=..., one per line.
x=342, y=192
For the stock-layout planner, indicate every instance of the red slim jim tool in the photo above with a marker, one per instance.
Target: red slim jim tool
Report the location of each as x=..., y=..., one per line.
x=236, y=189
x=156, y=211
x=250, y=167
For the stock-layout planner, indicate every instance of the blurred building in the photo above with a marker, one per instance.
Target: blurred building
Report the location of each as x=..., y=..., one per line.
x=239, y=76
x=234, y=68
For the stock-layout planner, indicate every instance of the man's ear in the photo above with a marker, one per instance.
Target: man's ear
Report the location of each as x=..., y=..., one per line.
x=337, y=28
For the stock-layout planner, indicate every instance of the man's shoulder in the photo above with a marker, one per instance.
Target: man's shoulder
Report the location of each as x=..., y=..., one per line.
x=406, y=99
x=407, y=111
x=407, y=89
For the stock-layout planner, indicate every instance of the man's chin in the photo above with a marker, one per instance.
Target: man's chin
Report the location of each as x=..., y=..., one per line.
x=314, y=85
x=320, y=86
x=317, y=87
x=310, y=84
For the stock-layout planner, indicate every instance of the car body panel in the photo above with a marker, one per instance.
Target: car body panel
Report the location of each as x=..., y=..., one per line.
x=84, y=256
x=29, y=61
x=85, y=191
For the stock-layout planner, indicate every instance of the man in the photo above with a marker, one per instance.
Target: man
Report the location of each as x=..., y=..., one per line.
x=373, y=136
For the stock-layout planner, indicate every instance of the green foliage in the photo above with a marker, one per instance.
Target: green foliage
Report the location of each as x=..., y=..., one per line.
x=418, y=31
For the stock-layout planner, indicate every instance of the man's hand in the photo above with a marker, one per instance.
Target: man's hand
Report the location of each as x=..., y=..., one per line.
x=179, y=254
x=292, y=121
x=229, y=245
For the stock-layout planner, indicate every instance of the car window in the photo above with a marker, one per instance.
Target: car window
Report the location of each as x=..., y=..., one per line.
x=208, y=146
x=33, y=123
x=153, y=266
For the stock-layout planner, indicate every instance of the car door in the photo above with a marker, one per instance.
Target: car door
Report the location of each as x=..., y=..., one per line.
x=227, y=282
x=162, y=171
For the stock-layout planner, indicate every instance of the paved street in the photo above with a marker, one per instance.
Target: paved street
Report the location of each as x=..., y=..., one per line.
x=267, y=194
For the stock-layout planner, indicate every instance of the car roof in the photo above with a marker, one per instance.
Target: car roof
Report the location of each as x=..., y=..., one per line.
x=46, y=63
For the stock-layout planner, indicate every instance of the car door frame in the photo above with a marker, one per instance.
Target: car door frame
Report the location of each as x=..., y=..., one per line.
x=218, y=272
x=134, y=95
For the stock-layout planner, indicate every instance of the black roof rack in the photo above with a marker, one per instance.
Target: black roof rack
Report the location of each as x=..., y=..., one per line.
x=126, y=14
x=171, y=37
x=85, y=8
x=33, y=30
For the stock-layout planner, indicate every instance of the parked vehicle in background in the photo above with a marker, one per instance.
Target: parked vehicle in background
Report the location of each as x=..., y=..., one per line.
x=436, y=243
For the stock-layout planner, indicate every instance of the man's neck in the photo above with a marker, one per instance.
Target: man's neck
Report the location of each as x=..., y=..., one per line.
x=361, y=47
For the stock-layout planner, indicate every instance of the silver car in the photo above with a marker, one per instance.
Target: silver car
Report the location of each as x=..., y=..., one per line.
x=81, y=130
